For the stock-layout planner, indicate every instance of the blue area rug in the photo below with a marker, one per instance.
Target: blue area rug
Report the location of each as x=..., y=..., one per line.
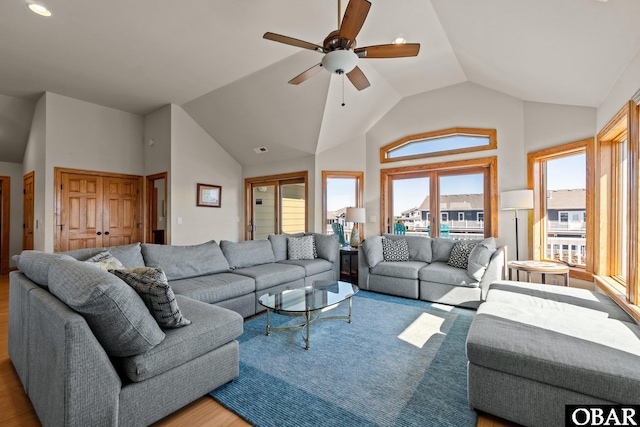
x=400, y=363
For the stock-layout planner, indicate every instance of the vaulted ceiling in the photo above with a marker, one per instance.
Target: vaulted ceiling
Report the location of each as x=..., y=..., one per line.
x=209, y=57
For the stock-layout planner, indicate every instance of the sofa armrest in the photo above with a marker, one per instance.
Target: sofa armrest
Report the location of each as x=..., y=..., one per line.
x=72, y=381
x=494, y=271
x=363, y=271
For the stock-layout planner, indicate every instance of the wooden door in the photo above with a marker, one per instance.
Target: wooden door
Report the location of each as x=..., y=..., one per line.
x=97, y=209
x=27, y=205
x=80, y=223
x=121, y=214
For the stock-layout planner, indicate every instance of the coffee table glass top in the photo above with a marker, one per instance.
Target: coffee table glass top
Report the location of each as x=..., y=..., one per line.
x=320, y=295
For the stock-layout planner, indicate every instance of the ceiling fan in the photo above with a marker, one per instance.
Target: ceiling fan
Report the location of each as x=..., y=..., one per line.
x=339, y=48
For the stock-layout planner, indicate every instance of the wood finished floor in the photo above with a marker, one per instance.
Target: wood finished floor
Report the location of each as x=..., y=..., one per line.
x=16, y=409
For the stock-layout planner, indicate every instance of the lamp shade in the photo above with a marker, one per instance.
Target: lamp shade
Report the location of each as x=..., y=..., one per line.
x=517, y=199
x=356, y=215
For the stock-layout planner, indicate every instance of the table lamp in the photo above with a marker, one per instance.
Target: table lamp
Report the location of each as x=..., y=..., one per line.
x=356, y=216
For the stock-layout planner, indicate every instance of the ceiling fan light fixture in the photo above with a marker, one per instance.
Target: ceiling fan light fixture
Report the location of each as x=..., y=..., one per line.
x=340, y=61
x=399, y=40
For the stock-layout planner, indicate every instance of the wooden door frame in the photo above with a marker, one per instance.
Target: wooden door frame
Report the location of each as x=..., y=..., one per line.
x=148, y=198
x=248, y=196
x=24, y=178
x=57, y=182
x=5, y=186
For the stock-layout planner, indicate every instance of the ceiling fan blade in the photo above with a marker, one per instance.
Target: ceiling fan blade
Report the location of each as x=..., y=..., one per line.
x=293, y=42
x=354, y=17
x=305, y=75
x=359, y=80
x=388, y=50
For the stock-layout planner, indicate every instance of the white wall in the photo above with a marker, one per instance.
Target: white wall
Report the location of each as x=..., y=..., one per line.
x=550, y=125
x=344, y=157
x=198, y=158
x=35, y=160
x=157, y=153
x=14, y=172
x=462, y=105
x=83, y=135
x=621, y=92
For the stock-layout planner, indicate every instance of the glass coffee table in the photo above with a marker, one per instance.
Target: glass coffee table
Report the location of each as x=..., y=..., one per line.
x=308, y=302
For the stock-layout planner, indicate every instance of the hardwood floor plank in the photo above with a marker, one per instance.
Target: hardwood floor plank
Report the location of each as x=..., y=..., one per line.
x=16, y=409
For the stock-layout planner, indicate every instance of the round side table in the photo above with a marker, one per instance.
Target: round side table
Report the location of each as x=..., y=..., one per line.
x=538, y=267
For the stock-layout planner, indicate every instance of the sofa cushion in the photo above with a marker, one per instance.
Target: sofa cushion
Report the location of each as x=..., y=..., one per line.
x=35, y=265
x=551, y=297
x=441, y=272
x=303, y=247
x=479, y=258
x=105, y=261
x=214, y=288
x=395, y=250
x=419, y=246
x=584, y=353
x=211, y=328
x=327, y=246
x=311, y=266
x=114, y=311
x=459, y=255
x=279, y=244
x=151, y=284
x=441, y=249
x=248, y=253
x=269, y=275
x=129, y=255
x=84, y=253
x=372, y=247
x=403, y=270
x=181, y=262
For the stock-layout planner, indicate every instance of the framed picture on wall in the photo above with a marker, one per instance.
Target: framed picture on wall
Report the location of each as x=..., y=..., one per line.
x=209, y=195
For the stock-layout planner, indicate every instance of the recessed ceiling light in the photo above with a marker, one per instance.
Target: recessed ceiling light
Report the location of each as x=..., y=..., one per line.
x=39, y=9
x=399, y=40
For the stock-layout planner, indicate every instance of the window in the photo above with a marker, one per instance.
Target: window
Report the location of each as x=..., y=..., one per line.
x=341, y=190
x=480, y=216
x=276, y=204
x=560, y=180
x=617, y=208
x=439, y=143
x=460, y=216
x=467, y=185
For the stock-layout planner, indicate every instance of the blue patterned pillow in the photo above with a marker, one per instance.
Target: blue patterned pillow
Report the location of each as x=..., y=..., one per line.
x=395, y=250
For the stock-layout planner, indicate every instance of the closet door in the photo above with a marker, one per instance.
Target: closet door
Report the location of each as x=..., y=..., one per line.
x=80, y=223
x=121, y=224
x=96, y=209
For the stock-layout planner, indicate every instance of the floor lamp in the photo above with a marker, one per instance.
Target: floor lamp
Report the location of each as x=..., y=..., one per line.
x=516, y=200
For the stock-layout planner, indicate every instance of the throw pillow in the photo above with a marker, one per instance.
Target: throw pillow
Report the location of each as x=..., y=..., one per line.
x=114, y=311
x=395, y=250
x=459, y=256
x=105, y=261
x=302, y=247
x=35, y=265
x=480, y=256
x=152, y=286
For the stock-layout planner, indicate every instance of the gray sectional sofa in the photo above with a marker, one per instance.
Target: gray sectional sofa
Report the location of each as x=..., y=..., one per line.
x=427, y=275
x=533, y=349
x=88, y=351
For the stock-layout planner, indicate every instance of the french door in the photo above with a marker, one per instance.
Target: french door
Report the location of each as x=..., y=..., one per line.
x=451, y=200
x=276, y=204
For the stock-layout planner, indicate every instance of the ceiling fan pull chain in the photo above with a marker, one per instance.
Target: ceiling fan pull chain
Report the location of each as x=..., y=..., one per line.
x=343, y=89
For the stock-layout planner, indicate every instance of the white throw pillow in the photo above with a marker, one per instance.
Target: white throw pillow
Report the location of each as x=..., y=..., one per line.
x=302, y=247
